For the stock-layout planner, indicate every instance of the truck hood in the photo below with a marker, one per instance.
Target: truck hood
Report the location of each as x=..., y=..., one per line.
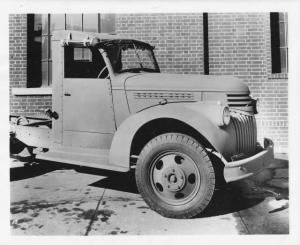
x=182, y=82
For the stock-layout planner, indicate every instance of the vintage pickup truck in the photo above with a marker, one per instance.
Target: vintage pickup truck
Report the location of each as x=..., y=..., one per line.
x=113, y=109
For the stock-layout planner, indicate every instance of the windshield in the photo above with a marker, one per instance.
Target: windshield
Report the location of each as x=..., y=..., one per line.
x=131, y=57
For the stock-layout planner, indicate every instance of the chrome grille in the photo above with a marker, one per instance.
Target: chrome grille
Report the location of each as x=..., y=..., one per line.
x=245, y=129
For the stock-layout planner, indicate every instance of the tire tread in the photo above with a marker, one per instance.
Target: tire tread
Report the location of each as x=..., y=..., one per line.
x=196, y=146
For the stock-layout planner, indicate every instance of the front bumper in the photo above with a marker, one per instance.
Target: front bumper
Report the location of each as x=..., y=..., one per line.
x=247, y=167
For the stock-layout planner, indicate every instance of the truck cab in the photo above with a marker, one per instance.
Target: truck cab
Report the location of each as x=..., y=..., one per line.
x=113, y=109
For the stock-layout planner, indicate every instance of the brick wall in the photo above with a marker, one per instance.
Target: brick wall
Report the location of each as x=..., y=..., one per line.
x=17, y=50
x=177, y=38
x=273, y=121
x=239, y=45
x=21, y=105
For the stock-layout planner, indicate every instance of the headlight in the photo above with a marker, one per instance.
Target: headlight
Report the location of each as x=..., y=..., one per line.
x=226, y=115
x=216, y=113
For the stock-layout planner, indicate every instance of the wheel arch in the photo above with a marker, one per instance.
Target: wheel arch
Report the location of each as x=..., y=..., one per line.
x=178, y=117
x=160, y=126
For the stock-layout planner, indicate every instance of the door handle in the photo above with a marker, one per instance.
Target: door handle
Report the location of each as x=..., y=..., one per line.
x=67, y=94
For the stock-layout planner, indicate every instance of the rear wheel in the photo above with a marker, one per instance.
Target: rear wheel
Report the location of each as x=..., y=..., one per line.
x=175, y=176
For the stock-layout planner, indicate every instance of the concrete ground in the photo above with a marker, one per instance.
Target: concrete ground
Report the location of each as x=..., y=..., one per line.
x=54, y=199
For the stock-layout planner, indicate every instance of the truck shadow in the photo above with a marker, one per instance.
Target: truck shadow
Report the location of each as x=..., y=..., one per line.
x=224, y=201
x=32, y=169
x=118, y=181
x=229, y=200
x=240, y=195
x=233, y=197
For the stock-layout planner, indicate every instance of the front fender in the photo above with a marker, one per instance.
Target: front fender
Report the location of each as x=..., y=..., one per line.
x=198, y=115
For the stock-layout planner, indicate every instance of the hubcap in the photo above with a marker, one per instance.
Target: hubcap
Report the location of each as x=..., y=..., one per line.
x=175, y=178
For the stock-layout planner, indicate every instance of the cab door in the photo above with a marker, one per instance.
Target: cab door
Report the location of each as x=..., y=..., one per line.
x=88, y=117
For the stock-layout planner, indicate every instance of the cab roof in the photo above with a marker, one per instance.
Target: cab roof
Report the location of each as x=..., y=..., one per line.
x=103, y=38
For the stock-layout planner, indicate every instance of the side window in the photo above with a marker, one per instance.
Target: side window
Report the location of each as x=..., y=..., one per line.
x=83, y=63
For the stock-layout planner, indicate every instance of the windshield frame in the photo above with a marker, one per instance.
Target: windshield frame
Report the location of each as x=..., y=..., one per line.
x=106, y=45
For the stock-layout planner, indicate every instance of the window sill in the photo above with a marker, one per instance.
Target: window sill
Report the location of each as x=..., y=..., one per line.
x=278, y=76
x=31, y=91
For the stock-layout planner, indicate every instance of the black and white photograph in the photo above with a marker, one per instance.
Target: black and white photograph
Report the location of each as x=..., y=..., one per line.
x=139, y=122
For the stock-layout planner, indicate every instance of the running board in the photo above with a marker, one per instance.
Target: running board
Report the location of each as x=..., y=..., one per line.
x=81, y=159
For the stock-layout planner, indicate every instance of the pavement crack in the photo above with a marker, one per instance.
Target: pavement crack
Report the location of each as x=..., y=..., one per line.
x=94, y=215
x=243, y=222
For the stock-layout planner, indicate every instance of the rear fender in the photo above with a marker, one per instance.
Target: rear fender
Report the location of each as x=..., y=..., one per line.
x=198, y=115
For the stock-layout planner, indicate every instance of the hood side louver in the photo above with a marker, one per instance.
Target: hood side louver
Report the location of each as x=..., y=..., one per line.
x=163, y=95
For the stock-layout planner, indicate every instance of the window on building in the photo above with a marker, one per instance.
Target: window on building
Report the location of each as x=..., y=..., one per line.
x=34, y=47
x=40, y=28
x=205, y=44
x=279, y=42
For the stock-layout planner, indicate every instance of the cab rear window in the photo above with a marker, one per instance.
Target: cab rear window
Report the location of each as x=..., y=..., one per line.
x=82, y=62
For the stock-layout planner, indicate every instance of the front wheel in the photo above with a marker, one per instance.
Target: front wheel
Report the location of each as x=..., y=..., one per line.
x=175, y=176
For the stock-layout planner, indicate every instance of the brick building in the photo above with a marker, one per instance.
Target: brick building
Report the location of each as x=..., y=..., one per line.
x=251, y=46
